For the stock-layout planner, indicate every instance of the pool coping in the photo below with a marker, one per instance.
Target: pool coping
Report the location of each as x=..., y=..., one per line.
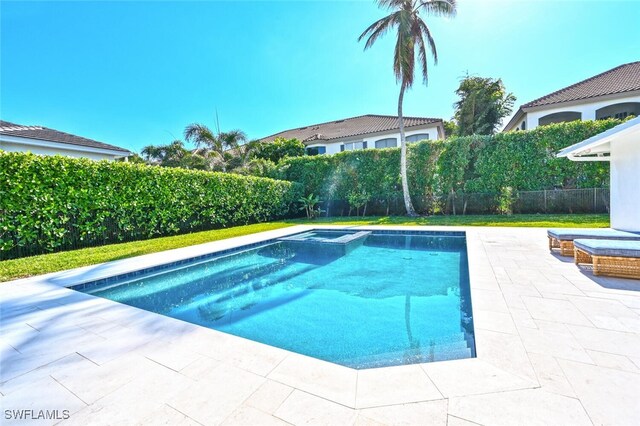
x=501, y=363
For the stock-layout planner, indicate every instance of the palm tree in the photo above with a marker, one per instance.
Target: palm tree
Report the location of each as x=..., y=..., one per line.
x=214, y=145
x=413, y=34
x=170, y=155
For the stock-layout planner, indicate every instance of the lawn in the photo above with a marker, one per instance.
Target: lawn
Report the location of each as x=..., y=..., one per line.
x=517, y=220
x=45, y=263
x=42, y=264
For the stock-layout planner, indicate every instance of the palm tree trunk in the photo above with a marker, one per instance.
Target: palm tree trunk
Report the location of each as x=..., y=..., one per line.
x=403, y=158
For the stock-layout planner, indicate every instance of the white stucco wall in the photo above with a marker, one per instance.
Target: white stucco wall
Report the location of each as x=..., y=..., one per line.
x=66, y=150
x=625, y=184
x=333, y=147
x=588, y=110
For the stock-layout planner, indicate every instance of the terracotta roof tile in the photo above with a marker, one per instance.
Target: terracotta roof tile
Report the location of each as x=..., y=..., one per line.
x=621, y=79
x=348, y=127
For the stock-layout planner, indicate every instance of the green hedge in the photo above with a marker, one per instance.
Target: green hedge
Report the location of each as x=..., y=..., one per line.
x=485, y=164
x=54, y=203
x=526, y=160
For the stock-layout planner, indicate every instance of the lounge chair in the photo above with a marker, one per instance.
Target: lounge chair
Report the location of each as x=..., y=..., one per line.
x=563, y=238
x=617, y=258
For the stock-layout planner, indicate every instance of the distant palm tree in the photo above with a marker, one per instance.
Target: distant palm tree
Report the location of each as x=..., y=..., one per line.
x=214, y=145
x=413, y=34
x=169, y=155
x=173, y=155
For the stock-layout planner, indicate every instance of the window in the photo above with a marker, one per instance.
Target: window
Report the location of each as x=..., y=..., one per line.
x=352, y=146
x=524, y=125
x=387, y=143
x=417, y=137
x=316, y=150
x=619, y=110
x=560, y=117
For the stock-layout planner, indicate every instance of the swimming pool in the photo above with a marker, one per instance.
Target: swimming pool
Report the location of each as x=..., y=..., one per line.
x=362, y=299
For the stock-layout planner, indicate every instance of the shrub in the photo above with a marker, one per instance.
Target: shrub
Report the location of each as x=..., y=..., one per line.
x=55, y=203
x=438, y=170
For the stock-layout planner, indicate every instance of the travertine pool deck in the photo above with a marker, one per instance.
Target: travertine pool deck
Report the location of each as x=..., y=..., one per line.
x=555, y=346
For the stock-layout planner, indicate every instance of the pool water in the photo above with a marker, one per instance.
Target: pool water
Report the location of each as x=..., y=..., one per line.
x=393, y=299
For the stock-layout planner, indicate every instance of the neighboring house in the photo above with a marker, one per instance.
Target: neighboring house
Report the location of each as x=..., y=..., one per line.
x=620, y=146
x=363, y=132
x=43, y=141
x=612, y=94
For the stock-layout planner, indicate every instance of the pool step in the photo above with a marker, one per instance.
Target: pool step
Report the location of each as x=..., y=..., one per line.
x=402, y=359
x=255, y=284
x=230, y=283
x=447, y=348
x=190, y=282
x=216, y=302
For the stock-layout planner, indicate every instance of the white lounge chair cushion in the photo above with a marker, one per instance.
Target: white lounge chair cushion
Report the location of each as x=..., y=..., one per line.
x=569, y=234
x=615, y=248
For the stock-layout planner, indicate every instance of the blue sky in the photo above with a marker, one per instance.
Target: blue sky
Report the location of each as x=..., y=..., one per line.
x=136, y=73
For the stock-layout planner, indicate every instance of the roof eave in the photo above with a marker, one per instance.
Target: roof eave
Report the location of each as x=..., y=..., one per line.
x=516, y=117
x=64, y=145
x=620, y=95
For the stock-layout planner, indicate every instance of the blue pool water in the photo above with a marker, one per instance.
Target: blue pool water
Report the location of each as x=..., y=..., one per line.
x=378, y=299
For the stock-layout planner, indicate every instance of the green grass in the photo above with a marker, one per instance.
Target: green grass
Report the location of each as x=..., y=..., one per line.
x=53, y=262
x=42, y=264
x=516, y=220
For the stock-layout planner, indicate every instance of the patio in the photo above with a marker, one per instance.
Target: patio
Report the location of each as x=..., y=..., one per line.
x=555, y=346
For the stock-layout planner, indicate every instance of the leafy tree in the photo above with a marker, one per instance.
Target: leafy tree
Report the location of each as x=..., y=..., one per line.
x=413, y=36
x=450, y=128
x=173, y=155
x=279, y=149
x=483, y=104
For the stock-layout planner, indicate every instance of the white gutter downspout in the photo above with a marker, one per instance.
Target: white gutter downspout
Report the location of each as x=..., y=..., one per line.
x=595, y=158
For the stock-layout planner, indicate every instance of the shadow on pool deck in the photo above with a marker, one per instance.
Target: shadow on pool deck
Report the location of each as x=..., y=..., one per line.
x=612, y=283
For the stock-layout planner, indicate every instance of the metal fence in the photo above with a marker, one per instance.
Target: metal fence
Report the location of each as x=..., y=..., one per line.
x=559, y=201
x=591, y=200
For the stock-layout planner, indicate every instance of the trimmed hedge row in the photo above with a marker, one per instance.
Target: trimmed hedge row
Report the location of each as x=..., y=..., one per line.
x=514, y=161
x=55, y=203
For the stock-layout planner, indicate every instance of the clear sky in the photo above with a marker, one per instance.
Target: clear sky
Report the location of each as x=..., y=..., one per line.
x=136, y=73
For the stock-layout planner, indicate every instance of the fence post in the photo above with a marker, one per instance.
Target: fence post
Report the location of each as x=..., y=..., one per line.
x=595, y=200
x=545, y=200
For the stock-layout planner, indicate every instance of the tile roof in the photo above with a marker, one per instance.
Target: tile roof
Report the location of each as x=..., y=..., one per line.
x=347, y=127
x=46, y=134
x=621, y=79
